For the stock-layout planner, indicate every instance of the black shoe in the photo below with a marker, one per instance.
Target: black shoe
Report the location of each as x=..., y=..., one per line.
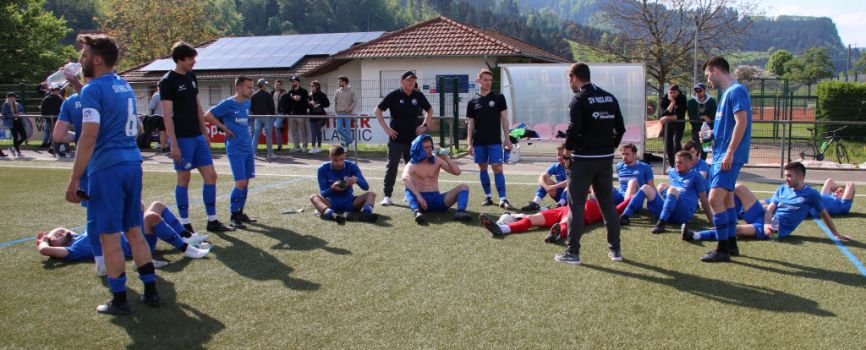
x=490, y=225
x=733, y=250
x=150, y=300
x=554, y=235
x=614, y=254
x=419, y=218
x=235, y=221
x=217, y=226
x=111, y=309
x=340, y=218
x=532, y=206
x=2, y=154
x=685, y=234
x=716, y=256
x=624, y=221
x=188, y=228
x=659, y=227
x=487, y=201
x=50, y=151
x=462, y=216
x=44, y=145
x=368, y=217
x=244, y=218
x=505, y=205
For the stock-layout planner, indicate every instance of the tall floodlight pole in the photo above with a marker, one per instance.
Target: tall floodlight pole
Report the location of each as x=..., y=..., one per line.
x=697, y=29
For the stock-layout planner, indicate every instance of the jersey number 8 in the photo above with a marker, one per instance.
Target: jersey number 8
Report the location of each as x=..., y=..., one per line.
x=131, y=119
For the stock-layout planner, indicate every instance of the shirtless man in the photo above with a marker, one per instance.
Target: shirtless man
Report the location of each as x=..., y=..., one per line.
x=421, y=179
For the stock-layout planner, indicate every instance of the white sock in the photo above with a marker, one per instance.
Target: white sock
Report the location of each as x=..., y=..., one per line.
x=211, y=217
x=505, y=228
x=696, y=236
x=183, y=221
x=537, y=200
x=502, y=199
x=100, y=261
x=562, y=202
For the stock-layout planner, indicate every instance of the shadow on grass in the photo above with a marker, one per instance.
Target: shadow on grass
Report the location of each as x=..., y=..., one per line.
x=290, y=240
x=254, y=263
x=171, y=325
x=798, y=240
x=724, y=292
x=846, y=278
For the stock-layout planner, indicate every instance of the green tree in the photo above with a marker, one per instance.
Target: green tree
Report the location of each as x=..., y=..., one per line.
x=225, y=18
x=776, y=64
x=79, y=15
x=810, y=67
x=30, y=41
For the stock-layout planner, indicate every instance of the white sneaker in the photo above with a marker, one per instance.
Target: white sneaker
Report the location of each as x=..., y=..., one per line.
x=196, y=238
x=158, y=264
x=203, y=245
x=312, y=151
x=386, y=201
x=195, y=253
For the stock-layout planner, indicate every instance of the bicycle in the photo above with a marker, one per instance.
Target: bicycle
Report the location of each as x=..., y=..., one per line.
x=831, y=138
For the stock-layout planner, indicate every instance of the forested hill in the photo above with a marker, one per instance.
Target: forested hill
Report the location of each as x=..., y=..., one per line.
x=794, y=33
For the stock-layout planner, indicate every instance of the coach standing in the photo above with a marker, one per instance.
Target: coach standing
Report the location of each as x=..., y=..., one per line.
x=595, y=129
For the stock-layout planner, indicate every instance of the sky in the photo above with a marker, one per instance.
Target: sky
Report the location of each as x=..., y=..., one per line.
x=849, y=16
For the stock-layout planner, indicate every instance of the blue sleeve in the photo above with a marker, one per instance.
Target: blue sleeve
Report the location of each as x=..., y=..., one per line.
x=700, y=183
x=362, y=182
x=220, y=110
x=740, y=100
x=90, y=97
x=64, y=111
x=817, y=202
x=324, y=187
x=79, y=250
x=648, y=173
x=775, y=197
x=552, y=169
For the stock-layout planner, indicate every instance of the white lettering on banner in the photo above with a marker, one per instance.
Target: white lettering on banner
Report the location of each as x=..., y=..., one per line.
x=364, y=131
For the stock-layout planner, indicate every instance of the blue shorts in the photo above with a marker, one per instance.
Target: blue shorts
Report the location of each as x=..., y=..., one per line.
x=541, y=192
x=724, y=179
x=681, y=214
x=115, y=199
x=194, y=152
x=491, y=154
x=342, y=204
x=842, y=208
x=83, y=185
x=243, y=167
x=755, y=216
x=435, y=201
x=618, y=197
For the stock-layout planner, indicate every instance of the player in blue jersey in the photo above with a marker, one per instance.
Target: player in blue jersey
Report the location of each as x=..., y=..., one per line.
x=837, y=199
x=552, y=183
x=687, y=187
x=731, y=141
x=336, y=198
x=697, y=164
x=185, y=126
x=632, y=174
x=786, y=210
x=231, y=116
x=108, y=152
x=65, y=244
x=421, y=179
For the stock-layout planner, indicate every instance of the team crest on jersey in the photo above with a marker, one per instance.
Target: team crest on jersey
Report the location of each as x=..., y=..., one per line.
x=401, y=101
x=491, y=104
x=414, y=102
x=181, y=87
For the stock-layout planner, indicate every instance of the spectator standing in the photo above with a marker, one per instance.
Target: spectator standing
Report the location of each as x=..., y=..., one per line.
x=318, y=102
x=296, y=102
x=50, y=109
x=262, y=103
x=701, y=108
x=673, y=111
x=344, y=104
x=11, y=110
x=278, y=122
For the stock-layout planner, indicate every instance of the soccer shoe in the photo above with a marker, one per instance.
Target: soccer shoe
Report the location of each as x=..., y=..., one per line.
x=716, y=256
x=624, y=221
x=419, y=218
x=532, y=206
x=368, y=217
x=150, y=300
x=217, y=226
x=614, y=254
x=386, y=201
x=685, y=234
x=244, y=218
x=505, y=205
x=110, y=309
x=659, y=227
x=461, y=215
x=234, y=221
x=490, y=225
x=568, y=258
x=196, y=238
x=158, y=264
x=188, y=228
x=554, y=235
x=733, y=250
x=487, y=201
x=340, y=218
x=194, y=252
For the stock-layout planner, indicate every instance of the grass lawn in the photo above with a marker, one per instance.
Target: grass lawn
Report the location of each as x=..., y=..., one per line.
x=295, y=281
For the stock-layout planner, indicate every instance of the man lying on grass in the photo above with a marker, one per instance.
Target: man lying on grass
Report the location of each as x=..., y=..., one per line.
x=785, y=211
x=837, y=199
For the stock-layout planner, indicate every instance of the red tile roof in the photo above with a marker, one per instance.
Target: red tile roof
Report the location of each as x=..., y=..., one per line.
x=442, y=36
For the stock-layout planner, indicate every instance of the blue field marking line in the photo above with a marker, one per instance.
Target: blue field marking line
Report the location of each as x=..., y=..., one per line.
x=254, y=189
x=845, y=251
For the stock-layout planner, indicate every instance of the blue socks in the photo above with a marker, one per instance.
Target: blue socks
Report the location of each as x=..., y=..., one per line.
x=181, y=195
x=151, y=241
x=244, y=197
x=462, y=200
x=732, y=223
x=635, y=204
x=117, y=285
x=708, y=235
x=485, y=182
x=540, y=192
x=208, y=195
x=167, y=234
x=720, y=221
x=236, y=200
x=668, y=207
x=367, y=208
x=171, y=220
x=500, y=184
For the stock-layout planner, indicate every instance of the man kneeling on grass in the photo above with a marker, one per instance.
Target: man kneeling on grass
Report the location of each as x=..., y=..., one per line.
x=65, y=244
x=336, y=179
x=556, y=219
x=786, y=210
x=421, y=178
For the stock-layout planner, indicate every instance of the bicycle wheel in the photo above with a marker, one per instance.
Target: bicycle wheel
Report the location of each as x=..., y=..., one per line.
x=804, y=149
x=841, y=154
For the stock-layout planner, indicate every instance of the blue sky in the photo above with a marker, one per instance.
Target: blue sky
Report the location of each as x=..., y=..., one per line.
x=849, y=16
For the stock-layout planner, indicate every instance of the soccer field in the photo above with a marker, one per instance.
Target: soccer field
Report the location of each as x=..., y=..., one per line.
x=295, y=281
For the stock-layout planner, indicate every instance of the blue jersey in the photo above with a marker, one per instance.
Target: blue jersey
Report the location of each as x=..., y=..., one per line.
x=700, y=166
x=836, y=206
x=793, y=205
x=734, y=99
x=640, y=172
x=70, y=112
x=689, y=184
x=80, y=248
x=327, y=176
x=234, y=115
x=110, y=102
x=558, y=172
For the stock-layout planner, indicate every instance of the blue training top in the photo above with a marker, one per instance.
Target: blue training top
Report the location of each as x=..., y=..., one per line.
x=234, y=115
x=836, y=206
x=689, y=184
x=700, y=166
x=734, y=99
x=640, y=171
x=792, y=205
x=559, y=172
x=70, y=112
x=80, y=248
x=110, y=102
x=327, y=176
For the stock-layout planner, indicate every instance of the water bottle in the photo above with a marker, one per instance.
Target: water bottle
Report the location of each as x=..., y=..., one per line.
x=706, y=137
x=774, y=225
x=58, y=79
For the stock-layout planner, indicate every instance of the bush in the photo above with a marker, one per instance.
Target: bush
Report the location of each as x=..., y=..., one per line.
x=842, y=101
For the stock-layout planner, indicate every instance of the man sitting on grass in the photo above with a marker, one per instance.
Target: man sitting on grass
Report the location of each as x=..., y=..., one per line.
x=65, y=244
x=786, y=210
x=336, y=179
x=632, y=174
x=687, y=187
x=837, y=199
x=421, y=178
x=552, y=183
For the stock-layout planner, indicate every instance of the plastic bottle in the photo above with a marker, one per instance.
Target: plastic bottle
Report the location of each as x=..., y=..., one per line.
x=59, y=77
x=706, y=137
x=774, y=225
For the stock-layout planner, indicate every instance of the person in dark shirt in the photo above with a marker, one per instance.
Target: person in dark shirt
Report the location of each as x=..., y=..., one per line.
x=701, y=108
x=50, y=108
x=405, y=104
x=262, y=103
x=185, y=126
x=673, y=109
x=486, y=114
x=318, y=102
x=595, y=130
x=296, y=102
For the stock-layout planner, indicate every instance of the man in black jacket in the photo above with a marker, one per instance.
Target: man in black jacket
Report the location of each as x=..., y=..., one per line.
x=595, y=130
x=262, y=103
x=296, y=102
x=50, y=106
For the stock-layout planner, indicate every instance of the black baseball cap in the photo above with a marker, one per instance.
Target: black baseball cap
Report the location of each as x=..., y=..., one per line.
x=11, y=94
x=295, y=78
x=409, y=74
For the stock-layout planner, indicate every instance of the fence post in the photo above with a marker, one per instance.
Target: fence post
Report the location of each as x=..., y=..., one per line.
x=782, y=155
x=455, y=142
x=440, y=85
